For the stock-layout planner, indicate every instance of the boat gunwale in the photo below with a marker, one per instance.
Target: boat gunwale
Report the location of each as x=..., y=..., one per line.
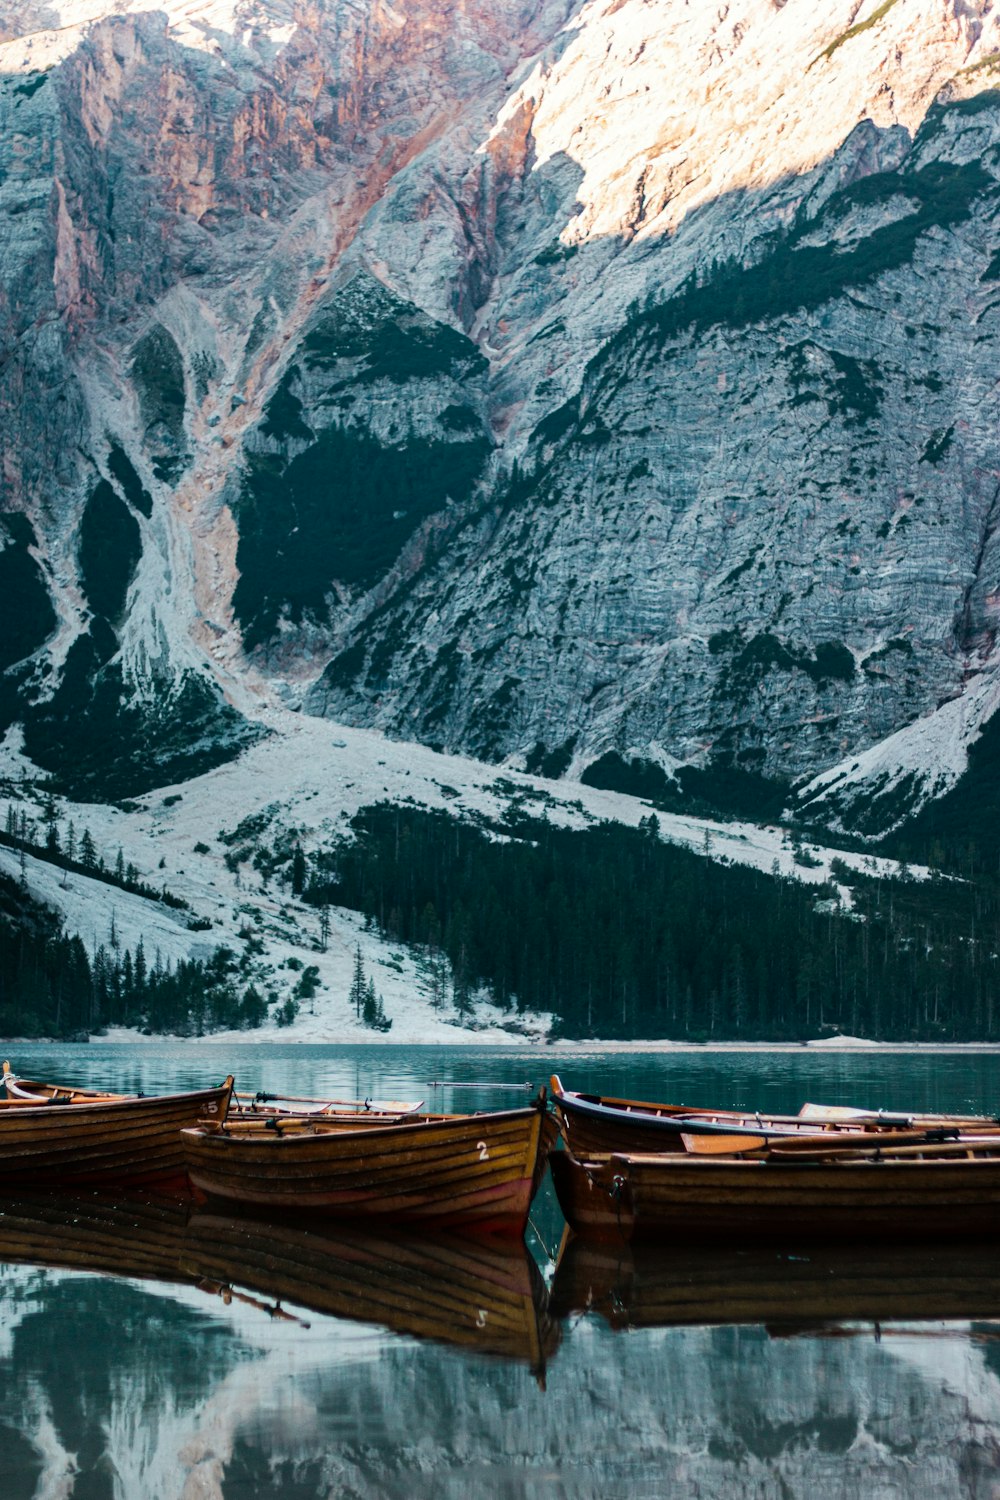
x=312, y=1129
x=118, y=1104
x=680, y=1119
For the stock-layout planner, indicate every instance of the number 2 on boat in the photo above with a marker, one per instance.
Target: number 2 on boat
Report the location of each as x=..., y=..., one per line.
x=484, y=1155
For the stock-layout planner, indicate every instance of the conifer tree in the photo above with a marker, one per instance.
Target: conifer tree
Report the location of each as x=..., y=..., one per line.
x=51, y=816
x=356, y=995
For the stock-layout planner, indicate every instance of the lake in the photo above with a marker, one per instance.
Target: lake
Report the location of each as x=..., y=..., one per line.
x=231, y=1360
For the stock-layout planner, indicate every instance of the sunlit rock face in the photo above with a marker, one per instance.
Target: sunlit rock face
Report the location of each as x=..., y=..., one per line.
x=550, y=382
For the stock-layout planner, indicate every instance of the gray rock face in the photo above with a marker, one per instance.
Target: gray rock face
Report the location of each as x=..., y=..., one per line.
x=546, y=383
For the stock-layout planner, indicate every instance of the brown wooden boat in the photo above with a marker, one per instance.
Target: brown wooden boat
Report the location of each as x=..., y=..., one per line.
x=646, y=1285
x=596, y=1124
x=919, y=1189
x=33, y=1091
x=477, y=1171
x=485, y=1295
x=104, y=1140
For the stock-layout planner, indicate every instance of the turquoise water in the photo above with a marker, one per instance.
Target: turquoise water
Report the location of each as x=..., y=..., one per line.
x=240, y=1361
x=778, y=1080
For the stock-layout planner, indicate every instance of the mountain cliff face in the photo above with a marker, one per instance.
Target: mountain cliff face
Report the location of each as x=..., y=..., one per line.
x=571, y=384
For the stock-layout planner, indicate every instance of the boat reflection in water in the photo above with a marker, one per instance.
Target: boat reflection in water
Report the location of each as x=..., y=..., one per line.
x=121, y=1235
x=478, y=1294
x=808, y=1289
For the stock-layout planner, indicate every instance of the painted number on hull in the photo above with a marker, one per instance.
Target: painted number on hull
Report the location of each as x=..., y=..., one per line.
x=484, y=1155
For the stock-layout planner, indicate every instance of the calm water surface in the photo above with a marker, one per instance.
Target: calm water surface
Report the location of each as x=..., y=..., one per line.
x=232, y=1360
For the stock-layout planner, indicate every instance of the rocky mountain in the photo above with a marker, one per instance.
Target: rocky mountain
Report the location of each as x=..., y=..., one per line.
x=604, y=388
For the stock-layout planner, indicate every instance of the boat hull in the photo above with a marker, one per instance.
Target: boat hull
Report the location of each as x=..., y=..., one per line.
x=686, y=1197
x=131, y=1142
x=469, y=1172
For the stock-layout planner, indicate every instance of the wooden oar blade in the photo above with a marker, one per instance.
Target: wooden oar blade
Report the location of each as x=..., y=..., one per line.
x=723, y=1145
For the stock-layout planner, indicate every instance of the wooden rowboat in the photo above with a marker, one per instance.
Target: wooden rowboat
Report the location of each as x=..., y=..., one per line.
x=485, y=1295
x=596, y=1125
x=833, y=1114
x=921, y=1190
x=648, y=1285
x=104, y=1140
x=476, y=1171
x=33, y=1091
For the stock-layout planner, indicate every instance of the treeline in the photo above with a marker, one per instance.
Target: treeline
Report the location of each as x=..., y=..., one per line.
x=50, y=985
x=622, y=935
x=958, y=832
x=75, y=850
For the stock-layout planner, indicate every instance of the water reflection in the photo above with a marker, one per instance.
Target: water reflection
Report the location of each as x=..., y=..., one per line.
x=807, y=1289
x=220, y=1358
x=149, y=1353
x=481, y=1295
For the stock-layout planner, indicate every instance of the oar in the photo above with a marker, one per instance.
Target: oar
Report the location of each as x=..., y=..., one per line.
x=744, y=1145
x=981, y=1335
x=521, y=1088
x=859, y=1143
x=843, y=1113
x=723, y=1145
x=228, y=1293
x=381, y=1106
x=926, y=1149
